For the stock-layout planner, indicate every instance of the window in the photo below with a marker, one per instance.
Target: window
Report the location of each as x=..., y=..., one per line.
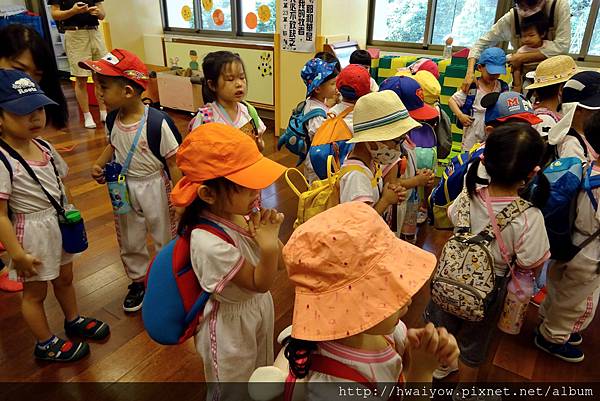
x=225, y=17
x=428, y=23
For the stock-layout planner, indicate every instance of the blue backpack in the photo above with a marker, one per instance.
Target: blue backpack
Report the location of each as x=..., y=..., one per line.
x=295, y=137
x=566, y=180
x=174, y=300
x=449, y=187
x=467, y=107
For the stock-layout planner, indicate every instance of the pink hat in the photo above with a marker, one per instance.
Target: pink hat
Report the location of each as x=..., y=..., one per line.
x=425, y=64
x=350, y=272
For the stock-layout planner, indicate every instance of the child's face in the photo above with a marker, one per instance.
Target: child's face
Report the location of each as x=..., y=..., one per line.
x=23, y=62
x=328, y=89
x=486, y=76
x=238, y=201
x=112, y=92
x=28, y=126
x=231, y=85
x=388, y=325
x=531, y=37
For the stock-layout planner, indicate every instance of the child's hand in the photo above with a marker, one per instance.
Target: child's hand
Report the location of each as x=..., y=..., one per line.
x=465, y=120
x=430, y=347
x=264, y=226
x=26, y=265
x=425, y=177
x=400, y=192
x=389, y=195
x=98, y=174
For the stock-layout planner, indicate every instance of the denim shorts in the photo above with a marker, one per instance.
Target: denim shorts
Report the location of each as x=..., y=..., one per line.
x=473, y=337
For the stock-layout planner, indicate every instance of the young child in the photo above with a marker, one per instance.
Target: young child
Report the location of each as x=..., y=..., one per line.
x=331, y=58
x=349, y=276
x=352, y=83
x=380, y=125
x=223, y=175
x=573, y=288
x=363, y=58
x=224, y=89
x=492, y=63
x=512, y=156
x=549, y=79
x=580, y=100
x=31, y=234
x=533, y=33
x=122, y=78
x=320, y=80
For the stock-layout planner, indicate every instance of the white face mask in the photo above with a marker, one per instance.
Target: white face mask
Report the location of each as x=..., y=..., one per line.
x=384, y=155
x=525, y=11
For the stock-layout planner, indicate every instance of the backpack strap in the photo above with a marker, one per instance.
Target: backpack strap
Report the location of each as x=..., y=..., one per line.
x=503, y=86
x=551, y=16
x=6, y=163
x=575, y=135
x=111, y=118
x=589, y=183
x=517, y=23
x=348, y=168
x=154, y=133
x=253, y=115
x=470, y=100
x=502, y=220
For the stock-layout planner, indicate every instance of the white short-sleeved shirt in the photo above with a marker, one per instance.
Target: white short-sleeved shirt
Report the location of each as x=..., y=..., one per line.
x=220, y=116
x=314, y=123
x=384, y=366
x=339, y=108
x=587, y=221
x=374, y=86
x=549, y=119
x=143, y=162
x=529, y=49
x=23, y=194
x=216, y=262
x=356, y=185
x=525, y=237
x=570, y=146
x=476, y=131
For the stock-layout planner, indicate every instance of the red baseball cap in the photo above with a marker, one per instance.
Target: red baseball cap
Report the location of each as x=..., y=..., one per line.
x=120, y=63
x=354, y=82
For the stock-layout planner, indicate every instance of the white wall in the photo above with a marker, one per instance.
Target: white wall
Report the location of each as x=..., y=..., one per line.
x=130, y=20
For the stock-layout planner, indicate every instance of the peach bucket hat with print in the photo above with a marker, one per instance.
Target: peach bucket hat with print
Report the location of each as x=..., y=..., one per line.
x=350, y=272
x=217, y=150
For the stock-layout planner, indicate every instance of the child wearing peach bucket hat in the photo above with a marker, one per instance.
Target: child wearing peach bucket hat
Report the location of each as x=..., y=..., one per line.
x=224, y=173
x=354, y=281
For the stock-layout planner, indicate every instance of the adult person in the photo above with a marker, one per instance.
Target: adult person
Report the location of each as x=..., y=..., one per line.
x=507, y=29
x=83, y=41
x=24, y=49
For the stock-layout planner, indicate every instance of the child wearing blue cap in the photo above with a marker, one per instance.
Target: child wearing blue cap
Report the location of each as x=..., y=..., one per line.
x=30, y=192
x=319, y=77
x=467, y=106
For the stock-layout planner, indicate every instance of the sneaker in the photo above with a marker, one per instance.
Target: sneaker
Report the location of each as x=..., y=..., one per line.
x=9, y=285
x=444, y=371
x=421, y=217
x=86, y=327
x=89, y=122
x=59, y=350
x=575, y=339
x=566, y=352
x=135, y=297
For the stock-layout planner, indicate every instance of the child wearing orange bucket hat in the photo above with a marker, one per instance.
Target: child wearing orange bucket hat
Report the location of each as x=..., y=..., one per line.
x=224, y=173
x=354, y=281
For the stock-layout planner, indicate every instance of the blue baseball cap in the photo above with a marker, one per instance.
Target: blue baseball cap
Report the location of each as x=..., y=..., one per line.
x=494, y=60
x=20, y=94
x=411, y=94
x=510, y=106
x=315, y=72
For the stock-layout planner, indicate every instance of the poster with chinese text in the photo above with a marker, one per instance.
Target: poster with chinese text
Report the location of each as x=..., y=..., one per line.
x=298, y=19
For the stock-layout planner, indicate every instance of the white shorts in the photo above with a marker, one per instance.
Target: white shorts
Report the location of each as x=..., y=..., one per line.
x=39, y=235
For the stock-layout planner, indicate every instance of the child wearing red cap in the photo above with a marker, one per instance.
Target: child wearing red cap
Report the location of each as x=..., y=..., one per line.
x=224, y=173
x=352, y=83
x=145, y=140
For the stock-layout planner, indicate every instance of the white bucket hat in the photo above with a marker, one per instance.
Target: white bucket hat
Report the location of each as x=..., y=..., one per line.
x=381, y=116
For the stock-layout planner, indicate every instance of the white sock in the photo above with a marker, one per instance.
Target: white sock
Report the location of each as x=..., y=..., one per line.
x=89, y=120
x=103, y=115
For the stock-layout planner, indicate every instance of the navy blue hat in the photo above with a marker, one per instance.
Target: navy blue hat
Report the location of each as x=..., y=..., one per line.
x=583, y=88
x=494, y=60
x=19, y=94
x=411, y=94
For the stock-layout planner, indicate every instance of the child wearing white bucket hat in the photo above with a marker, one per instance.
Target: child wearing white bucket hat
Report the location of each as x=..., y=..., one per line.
x=381, y=123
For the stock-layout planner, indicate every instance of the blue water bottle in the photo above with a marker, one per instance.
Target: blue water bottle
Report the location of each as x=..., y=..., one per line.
x=117, y=188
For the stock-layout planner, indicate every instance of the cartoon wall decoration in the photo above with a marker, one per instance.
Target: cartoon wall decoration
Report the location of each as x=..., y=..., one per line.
x=194, y=66
x=251, y=20
x=174, y=62
x=218, y=17
x=207, y=4
x=266, y=64
x=264, y=13
x=186, y=13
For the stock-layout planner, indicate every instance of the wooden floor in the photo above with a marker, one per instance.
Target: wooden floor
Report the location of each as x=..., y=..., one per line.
x=130, y=356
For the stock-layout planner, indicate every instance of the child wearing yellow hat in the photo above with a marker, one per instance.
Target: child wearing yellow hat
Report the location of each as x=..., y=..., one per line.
x=354, y=281
x=224, y=173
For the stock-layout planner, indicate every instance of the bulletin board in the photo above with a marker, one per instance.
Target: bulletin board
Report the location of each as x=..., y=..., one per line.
x=258, y=63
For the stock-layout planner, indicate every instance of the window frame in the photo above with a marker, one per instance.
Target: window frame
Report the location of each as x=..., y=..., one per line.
x=237, y=22
x=502, y=8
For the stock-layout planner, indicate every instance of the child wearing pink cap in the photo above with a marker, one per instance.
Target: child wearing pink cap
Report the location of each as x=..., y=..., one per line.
x=351, y=292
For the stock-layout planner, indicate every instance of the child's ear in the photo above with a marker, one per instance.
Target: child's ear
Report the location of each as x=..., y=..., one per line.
x=207, y=194
x=129, y=91
x=488, y=130
x=211, y=85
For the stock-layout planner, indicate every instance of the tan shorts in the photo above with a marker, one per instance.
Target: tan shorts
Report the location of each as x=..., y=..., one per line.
x=83, y=45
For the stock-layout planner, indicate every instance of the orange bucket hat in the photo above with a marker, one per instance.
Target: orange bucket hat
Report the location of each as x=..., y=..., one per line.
x=350, y=272
x=217, y=150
